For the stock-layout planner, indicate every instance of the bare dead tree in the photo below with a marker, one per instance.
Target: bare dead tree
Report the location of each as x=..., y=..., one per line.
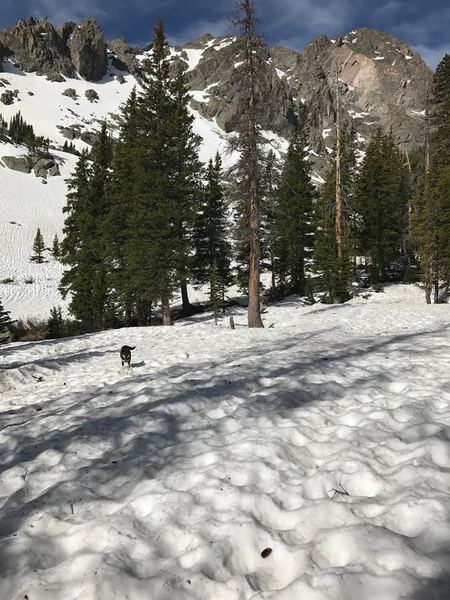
x=339, y=220
x=245, y=20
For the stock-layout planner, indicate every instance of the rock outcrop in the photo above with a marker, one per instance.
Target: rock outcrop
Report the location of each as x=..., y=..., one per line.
x=88, y=50
x=42, y=166
x=36, y=46
x=380, y=81
x=124, y=56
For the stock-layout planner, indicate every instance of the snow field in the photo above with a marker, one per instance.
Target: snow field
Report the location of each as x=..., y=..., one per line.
x=324, y=437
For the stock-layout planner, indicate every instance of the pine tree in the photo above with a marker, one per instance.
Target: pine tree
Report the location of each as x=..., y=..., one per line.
x=20, y=132
x=269, y=190
x=430, y=219
x=157, y=241
x=83, y=248
x=131, y=303
x=294, y=216
x=55, y=324
x=187, y=168
x=440, y=116
x=335, y=270
x=149, y=249
x=381, y=200
x=56, y=250
x=5, y=325
x=249, y=164
x=212, y=250
x=215, y=292
x=38, y=248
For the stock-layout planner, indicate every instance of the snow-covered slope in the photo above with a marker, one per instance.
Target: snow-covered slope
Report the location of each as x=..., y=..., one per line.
x=324, y=438
x=26, y=203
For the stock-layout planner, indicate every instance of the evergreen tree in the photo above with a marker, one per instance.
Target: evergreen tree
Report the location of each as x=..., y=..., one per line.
x=430, y=219
x=381, y=200
x=212, y=256
x=269, y=190
x=38, y=248
x=157, y=240
x=56, y=250
x=215, y=292
x=20, y=132
x=83, y=248
x=440, y=116
x=3, y=129
x=186, y=168
x=131, y=302
x=55, y=323
x=249, y=167
x=336, y=270
x=294, y=216
x=5, y=325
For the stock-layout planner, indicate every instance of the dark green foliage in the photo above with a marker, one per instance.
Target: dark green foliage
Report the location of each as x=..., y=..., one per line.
x=20, y=132
x=269, y=190
x=83, y=248
x=440, y=115
x=56, y=248
x=293, y=222
x=5, y=325
x=70, y=148
x=38, y=248
x=3, y=129
x=212, y=251
x=216, y=300
x=154, y=190
x=430, y=217
x=381, y=201
x=55, y=324
x=336, y=272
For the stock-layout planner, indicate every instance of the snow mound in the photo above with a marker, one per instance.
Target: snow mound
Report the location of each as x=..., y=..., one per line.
x=324, y=438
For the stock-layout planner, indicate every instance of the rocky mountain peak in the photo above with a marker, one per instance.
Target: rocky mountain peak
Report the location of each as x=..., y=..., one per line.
x=381, y=82
x=88, y=50
x=36, y=46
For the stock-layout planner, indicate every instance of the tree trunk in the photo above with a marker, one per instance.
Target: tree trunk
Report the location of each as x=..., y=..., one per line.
x=187, y=306
x=272, y=270
x=436, y=291
x=254, y=308
x=166, y=312
x=339, y=216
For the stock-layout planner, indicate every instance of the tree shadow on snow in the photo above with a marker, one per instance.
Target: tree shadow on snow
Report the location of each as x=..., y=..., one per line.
x=139, y=426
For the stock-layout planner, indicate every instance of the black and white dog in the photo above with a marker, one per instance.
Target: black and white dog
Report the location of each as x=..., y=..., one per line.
x=125, y=355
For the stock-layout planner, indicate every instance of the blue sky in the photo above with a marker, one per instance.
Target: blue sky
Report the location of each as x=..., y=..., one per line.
x=423, y=24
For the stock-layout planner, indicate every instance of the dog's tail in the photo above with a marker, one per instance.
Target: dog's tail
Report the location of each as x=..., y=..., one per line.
x=129, y=347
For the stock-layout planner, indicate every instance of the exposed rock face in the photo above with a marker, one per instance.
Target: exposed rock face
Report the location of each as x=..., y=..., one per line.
x=124, y=57
x=37, y=47
x=42, y=166
x=219, y=74
x=45, y=166
x=91, y=95
x=88, y=50
x=71, y=93
x=7, y=97
x=2, y=55
x=18, y=163
x=381, y=83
